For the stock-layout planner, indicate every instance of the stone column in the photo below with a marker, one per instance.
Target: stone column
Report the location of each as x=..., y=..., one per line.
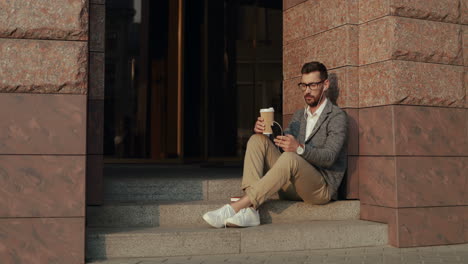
x=43, y=87
x=404, y=89
x=325, y=31
x=413, y=121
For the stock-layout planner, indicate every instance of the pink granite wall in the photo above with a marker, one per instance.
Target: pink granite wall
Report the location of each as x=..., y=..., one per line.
x=43, y=105
x=404, y=88
x=325, y=31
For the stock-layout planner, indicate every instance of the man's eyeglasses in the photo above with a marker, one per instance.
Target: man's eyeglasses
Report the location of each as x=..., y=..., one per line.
x=312, y=86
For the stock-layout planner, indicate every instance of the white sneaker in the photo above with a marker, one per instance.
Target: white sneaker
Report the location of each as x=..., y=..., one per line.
x=217, y=218
x=244, y=218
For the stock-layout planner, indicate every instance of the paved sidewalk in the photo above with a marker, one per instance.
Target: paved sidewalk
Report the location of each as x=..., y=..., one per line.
x=367, y=255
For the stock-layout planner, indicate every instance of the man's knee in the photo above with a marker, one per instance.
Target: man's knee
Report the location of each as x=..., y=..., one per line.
x=256, y=139
x=288, y=159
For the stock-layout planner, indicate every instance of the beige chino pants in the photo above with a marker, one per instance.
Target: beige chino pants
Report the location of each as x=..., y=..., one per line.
x=286, y=173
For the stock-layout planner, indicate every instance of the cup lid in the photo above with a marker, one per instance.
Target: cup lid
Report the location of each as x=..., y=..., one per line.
x=271, y=109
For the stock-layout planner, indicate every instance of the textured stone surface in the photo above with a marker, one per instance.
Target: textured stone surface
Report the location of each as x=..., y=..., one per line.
x=42, y=124
x=295, y=26
x=293, y=98
x=315, y=235
x=95, y=127
x=147, y=189
x=452, y=254
x=353, y=131
x=427, y=41
x=430, y=226
x=97, y=27
x=223, y=188
x=152, y=242
x=94, y=180
x=148, y=242
x=436, y=10
x=375, y=131
x=410, y=39
x=409, y=227
x=42, y=186
x=376, y=40
x=291, y=3
x=335, y=48
x=466, y=86
x=39, y=66
x=352, y=178
x=295, y=55
x=413, y=83
x=372, y=9
x=465, y=225
x=327, y=14
x=180, y=183
x=377, y=181
x=376, y=83
x=431, y=181
x=46, y=19
x=464, y=12
x=413, y=127
x=382, y=215
x=465, y=45
x=433, y=131
x=344, y=86
x=313, y=17
x=96, y=75
x=42, y=240
x=189, y=214
x=412, y=181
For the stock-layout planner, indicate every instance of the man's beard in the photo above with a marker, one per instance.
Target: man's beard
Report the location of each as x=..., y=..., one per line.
x=315, y=101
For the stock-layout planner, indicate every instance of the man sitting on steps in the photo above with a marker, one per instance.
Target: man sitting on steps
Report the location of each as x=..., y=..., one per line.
x=312, y=165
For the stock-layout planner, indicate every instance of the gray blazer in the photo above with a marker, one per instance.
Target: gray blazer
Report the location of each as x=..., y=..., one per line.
x=326, y=147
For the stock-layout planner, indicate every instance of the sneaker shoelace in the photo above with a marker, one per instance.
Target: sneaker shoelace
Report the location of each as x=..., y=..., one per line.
x=226, y=216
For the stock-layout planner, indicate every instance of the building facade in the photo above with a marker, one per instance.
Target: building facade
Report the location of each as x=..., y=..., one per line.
x=398, y=68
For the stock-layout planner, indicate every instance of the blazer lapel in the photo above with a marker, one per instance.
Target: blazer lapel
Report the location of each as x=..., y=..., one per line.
x=302, y=130
x=326, y=111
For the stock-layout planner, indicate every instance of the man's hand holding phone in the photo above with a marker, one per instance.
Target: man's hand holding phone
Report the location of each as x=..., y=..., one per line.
x=288, y=143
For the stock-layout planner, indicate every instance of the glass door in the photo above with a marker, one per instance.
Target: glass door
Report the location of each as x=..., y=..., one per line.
x=143, y=96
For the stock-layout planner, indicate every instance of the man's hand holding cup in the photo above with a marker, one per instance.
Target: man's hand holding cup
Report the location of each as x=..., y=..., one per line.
x=259, y=125
x=288, y=143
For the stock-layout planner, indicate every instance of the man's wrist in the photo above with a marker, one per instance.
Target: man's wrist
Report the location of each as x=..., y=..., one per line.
x=300, y=149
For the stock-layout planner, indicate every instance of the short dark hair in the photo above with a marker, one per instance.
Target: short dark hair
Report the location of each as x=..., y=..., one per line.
x=315, y=66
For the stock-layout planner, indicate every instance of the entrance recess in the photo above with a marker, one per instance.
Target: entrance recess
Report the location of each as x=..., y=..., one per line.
x=185, y=79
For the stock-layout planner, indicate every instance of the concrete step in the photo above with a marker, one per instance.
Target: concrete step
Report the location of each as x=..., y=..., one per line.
x=167, y=241
x=169, y=183
x=190, y=213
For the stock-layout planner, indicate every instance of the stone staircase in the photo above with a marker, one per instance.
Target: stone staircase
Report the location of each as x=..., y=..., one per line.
x=153, y=211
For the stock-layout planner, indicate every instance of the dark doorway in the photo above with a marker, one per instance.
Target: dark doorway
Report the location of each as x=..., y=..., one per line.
x=185, y=79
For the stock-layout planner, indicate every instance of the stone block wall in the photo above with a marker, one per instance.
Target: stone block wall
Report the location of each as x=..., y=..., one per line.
x=43, y=105
x=404, y=86
x=325, y=31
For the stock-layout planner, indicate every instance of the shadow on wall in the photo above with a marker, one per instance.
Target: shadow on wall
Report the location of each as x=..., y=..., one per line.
x=334, y=91
x=347, y=189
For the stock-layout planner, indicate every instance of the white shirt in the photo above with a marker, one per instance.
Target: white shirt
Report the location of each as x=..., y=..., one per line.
x=313, y=118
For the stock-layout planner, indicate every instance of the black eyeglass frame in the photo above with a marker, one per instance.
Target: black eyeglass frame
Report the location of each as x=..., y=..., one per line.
x=304, y=86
